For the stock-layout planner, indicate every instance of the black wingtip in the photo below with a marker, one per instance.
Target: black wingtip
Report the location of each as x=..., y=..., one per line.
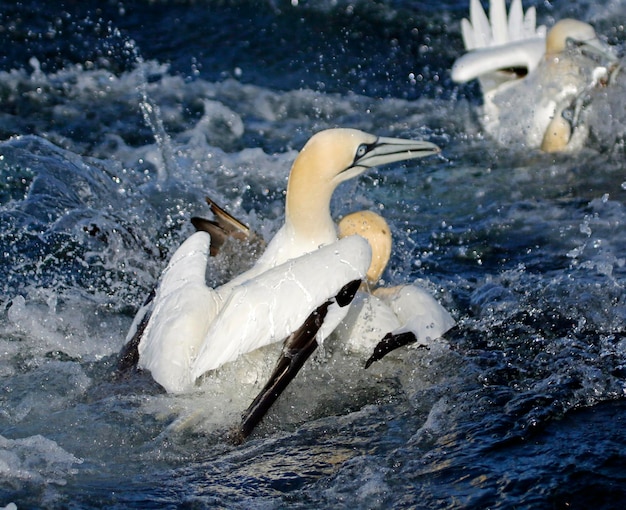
x=235, y=437
x=390, y=343
x=287, y=367
x=297, y=349
x=217, y=233
x=347, y=293
x=226, y=220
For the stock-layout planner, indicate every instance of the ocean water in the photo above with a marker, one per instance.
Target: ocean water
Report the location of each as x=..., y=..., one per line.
x=118, y=117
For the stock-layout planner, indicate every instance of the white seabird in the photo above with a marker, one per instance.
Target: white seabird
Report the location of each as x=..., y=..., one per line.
x=384, y=318
x=189, y=328
x=375, y=313
x=329, y=158
x=377, y=322
x=533, y=85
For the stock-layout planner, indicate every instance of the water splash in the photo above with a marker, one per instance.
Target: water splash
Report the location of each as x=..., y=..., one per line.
x=153, y=118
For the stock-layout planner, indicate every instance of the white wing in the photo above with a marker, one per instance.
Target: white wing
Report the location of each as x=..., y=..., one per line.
x=499, y=25
x=516, y=25
x=480, y=62
x=499, y=42
x=272, y=305
x=183, y=309
x=476, y=31
x=481, y=31
x=418, y=312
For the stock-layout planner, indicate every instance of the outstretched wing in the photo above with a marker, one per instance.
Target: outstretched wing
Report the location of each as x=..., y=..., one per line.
x=499, y=48
x=297, y=349
x=422, y=317
x=182, y=310
x=513, y=60
x=481, y=31
x=271, y=306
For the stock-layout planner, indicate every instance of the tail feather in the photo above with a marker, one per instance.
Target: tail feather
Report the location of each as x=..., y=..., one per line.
x=481, y=28
x=499, y=25
x=516, y=24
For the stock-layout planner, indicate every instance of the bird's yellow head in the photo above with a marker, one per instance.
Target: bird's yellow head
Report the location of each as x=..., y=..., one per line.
x=376, y=231
x=570, y=31
x=331, y=157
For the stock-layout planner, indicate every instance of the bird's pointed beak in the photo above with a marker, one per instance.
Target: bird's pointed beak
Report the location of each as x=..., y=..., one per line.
x=390, y=150
x=598, y=51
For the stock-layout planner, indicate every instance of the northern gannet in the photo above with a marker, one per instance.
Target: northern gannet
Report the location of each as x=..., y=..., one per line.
x=189, y=328
x=377, y=322
x=384, y=318
x=329, y=158
x=533, y=85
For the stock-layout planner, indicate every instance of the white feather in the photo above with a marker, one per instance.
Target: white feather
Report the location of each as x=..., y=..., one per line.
x=480, y=25
x=499, y=29
x=184, y=308
x=499, y=25
x=271, y=306
x=467, y=33
x=525, y=53
x=516, y=21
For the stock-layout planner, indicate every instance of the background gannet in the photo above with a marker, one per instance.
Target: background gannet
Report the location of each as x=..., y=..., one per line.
x=500, y=49
x=533, y=86
x=580, y=61
x=181, y=339
x=377, y=322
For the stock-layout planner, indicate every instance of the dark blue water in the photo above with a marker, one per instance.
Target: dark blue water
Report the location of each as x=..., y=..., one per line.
x=117, y=117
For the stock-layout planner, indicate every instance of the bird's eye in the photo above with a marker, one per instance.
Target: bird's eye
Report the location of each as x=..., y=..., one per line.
x=573, y=44
x=361, y=151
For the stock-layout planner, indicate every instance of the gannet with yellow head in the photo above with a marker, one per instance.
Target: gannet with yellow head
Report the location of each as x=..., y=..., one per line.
x=381, y=319
x=305, y=271
x=533, y=85
x=581, y=61
x=329, y=158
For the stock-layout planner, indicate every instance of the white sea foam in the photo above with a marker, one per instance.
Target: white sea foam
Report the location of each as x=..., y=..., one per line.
x=37, y=460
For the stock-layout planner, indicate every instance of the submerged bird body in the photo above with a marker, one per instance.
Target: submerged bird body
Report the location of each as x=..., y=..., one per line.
x=408, y=310
x=533, y=85
x=329, y=158
x=543, y=111
x=393, y=311
x=192, y=328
